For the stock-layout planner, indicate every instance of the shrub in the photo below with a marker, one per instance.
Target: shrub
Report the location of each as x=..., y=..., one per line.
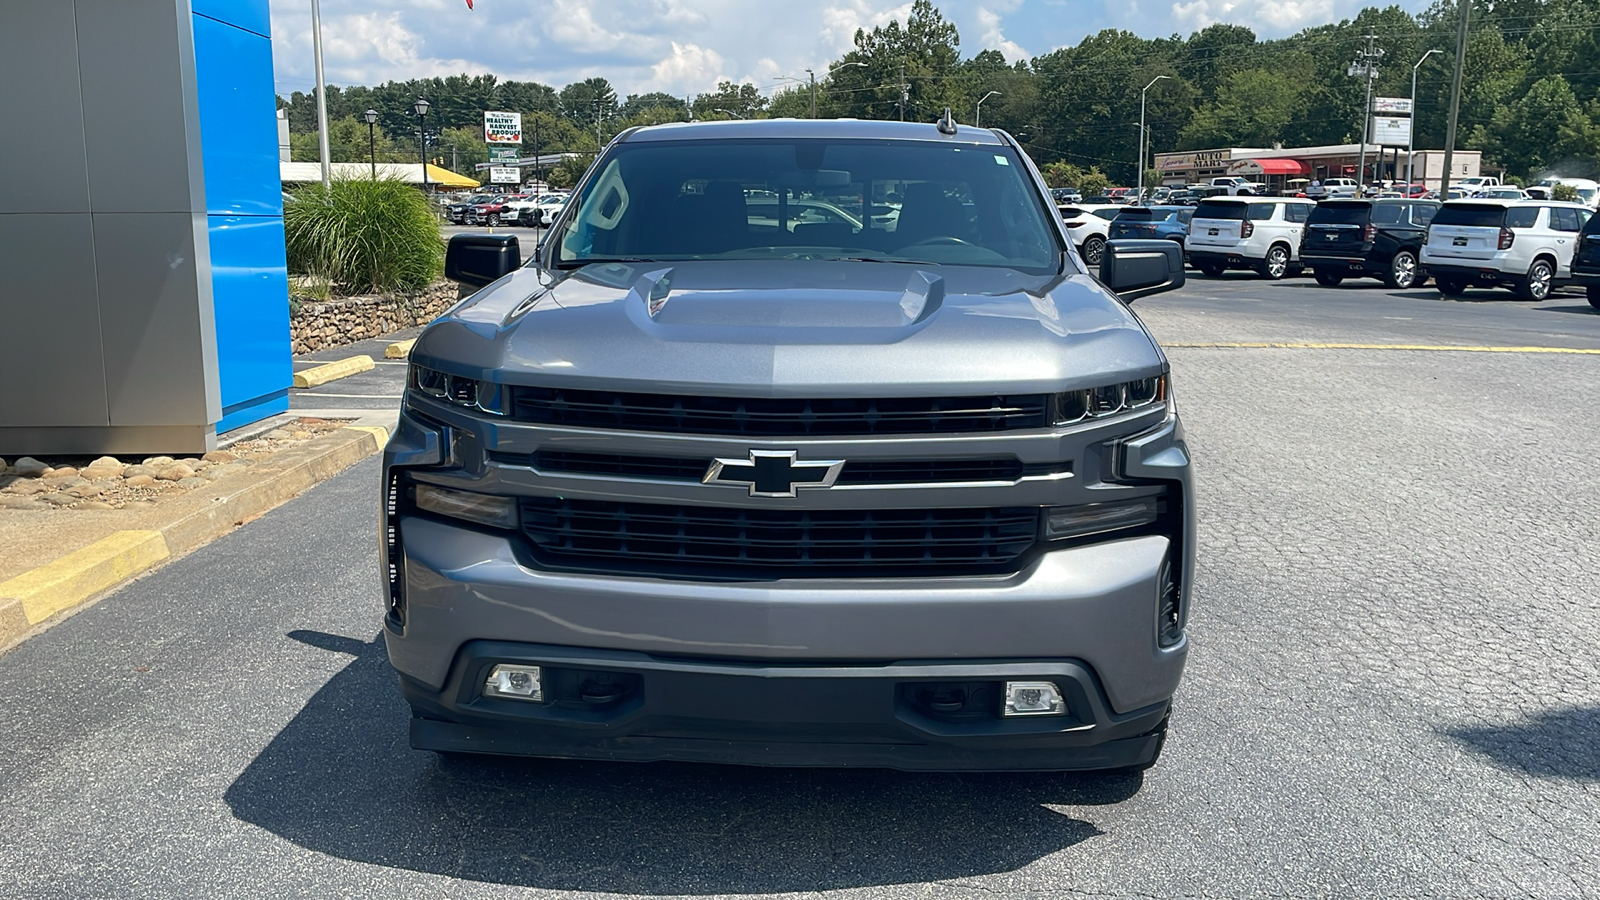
x=1564, y=192
x=366, y=236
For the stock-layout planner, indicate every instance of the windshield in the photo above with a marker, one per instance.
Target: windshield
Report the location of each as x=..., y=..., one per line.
x=811, y=198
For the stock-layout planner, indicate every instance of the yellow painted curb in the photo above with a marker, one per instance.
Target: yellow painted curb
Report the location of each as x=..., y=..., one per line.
x=333, y=371
x=1433, y=348
x=76, y=577
x=399, y=349
x=377, y=431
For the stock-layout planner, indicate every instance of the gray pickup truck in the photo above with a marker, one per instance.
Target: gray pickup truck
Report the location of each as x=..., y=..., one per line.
x=731, y=470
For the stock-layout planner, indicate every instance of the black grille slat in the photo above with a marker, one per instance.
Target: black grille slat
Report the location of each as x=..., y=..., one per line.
x=610, y=536
x=923, y=471
x=777, y=416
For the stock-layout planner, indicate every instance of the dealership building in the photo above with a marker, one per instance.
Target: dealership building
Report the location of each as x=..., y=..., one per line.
x=1282, y=168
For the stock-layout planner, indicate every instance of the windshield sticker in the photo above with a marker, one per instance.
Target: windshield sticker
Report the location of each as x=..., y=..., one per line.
x=1001, y=160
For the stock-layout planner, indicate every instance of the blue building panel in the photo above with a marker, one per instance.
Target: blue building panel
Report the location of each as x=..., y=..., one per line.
x=251, y=15
x=238, y=120
x=244, y=205
x=250, y=291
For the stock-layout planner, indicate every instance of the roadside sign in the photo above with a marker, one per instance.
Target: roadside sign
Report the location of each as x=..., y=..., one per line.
x=1391, y=131
x=1391, y=105
x=504, y=154
x=502, y=127
x=505, y=175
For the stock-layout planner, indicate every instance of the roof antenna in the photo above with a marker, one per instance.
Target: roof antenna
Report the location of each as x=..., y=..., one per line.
x=946, y=124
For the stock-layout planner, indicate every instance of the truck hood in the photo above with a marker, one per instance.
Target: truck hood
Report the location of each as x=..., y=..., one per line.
x=792, y=328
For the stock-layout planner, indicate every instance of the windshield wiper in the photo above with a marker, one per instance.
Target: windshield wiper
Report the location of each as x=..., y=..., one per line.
x=592, y=260
x=881, y=259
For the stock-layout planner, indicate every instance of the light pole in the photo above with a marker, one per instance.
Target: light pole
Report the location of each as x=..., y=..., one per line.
x=371, y=116
x=1139, y=196
x=421, y=109
x=322, y=93
x=729, y=112
x=1411, y=140
x=843, y=65
x=977, y=110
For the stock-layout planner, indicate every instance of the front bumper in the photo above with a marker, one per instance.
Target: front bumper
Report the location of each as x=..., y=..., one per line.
x=931, y=716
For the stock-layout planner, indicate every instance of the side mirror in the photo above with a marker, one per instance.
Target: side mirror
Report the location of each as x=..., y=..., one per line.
x=477, y=259
x=1137, y=269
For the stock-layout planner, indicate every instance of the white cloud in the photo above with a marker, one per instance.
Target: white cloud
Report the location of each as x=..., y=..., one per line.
x=841, y=21
x=688, y=69
x=994, y=38
x=1267, y=16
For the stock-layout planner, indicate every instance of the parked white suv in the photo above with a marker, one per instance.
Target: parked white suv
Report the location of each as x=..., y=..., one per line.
x=1088, y=226
x=1330, y=188
x=1524, y=245
x=1260, y=233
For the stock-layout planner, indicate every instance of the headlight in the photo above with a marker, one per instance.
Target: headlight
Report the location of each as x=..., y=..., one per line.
x=1093, y=403
x=486, y=396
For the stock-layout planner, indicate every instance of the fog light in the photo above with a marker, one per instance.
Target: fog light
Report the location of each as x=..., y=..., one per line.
x=1034, y=698
x=496, y=512
x=1063, y=522
x=515, y=682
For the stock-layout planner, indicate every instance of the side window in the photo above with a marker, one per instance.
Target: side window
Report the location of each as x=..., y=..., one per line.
x=1422, y=214
x=1583, y=218
x=1564, y=220
x=1298, y=212
x=1261, y=212
x=1522, y=216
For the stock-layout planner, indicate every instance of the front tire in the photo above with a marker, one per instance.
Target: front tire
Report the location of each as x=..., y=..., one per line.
x=1541, y=277
x=1276, y=265
x=1451, y=286
x=1594, y=295
x=1402, y=274
x=1327, y=279
x=494, y=220
x=1094, y=247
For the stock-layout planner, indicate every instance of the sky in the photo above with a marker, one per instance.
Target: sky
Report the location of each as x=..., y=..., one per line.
x=685, y=47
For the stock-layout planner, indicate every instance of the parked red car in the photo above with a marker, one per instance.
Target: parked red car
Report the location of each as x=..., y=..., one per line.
x=490, y=213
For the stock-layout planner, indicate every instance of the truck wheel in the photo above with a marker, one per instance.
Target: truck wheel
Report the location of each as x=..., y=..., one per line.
x=1402, y=272
x=494, y=219
x=1211, y=269
x=1541, y=275
x=1093, y=248
x=1327, y=279
x=1276, y=265
x=1451, y=286
x=1594, y=295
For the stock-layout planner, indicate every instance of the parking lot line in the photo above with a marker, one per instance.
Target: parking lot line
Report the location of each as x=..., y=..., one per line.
x=1435, y=348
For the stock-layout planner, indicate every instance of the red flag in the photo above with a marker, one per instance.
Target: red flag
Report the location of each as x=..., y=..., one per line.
x=469, y=4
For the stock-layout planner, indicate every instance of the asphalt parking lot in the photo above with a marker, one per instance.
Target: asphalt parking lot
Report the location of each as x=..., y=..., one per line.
x=1394, y=688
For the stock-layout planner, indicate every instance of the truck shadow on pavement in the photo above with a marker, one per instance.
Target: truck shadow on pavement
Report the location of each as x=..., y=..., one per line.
x=341, y=779
x=1558, y=744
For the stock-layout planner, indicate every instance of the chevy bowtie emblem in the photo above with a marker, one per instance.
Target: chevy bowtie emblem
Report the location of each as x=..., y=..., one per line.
x=774, y=473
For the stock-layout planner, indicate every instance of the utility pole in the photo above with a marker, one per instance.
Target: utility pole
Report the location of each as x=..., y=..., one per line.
x=813, y=76
x=1455, y=99
x=1366, y=66
x=322, y=94
x=905, y=91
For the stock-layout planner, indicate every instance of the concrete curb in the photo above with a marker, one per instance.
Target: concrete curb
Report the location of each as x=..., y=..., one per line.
x=399, y=349
x=41, y=594
x=344, y=368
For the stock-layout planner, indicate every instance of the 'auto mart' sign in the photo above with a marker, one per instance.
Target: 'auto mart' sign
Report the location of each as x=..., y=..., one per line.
x=1201, y=159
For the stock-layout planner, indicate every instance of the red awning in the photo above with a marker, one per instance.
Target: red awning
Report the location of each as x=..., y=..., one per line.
x=1280, y=167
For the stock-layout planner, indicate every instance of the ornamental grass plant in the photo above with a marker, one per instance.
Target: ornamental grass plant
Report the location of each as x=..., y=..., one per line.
x=365, y=236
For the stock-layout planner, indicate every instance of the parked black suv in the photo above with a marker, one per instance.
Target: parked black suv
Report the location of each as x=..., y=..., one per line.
x=1368, y=239
x=1586, y=260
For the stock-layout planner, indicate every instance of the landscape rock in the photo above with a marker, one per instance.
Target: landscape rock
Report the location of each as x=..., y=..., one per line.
x=28, y=467
x=90, y=489
x=59, y=499
x=219, y=456
x=62, y=483
x=191, y=482
x=159, y=461
x=25, y=487
x=13, y=501
x=62, y=472
x=2, y=464
x=175, y=472
x=190, y=461
x=277, y=434
x=136, y=471
x=106, y=461
x=140, y=481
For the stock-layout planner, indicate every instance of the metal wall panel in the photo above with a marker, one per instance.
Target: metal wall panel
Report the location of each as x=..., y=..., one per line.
x=238, y=122
x=51, y=368
x=155, y=313
x=251, y=15
x=136, y=61
x=250, y=287
x=39, y=85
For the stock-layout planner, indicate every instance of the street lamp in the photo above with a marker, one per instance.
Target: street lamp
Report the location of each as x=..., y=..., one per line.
x=421, y=108
x=371, y=116
x=1411, y=138
x=977, y=111
x=1140, y=195
x=322, y=95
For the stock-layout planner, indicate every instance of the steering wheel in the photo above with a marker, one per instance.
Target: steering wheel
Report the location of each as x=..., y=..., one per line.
x=942, y=239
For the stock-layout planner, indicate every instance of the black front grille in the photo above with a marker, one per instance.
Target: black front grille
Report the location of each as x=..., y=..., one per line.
x=610, y=537
x=915, y=471
x=769, y=416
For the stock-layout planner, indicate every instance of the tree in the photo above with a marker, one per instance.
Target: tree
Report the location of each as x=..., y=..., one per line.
x=589, y=100
x=729, y=100
x=1251, y=109
x=1061, y=173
